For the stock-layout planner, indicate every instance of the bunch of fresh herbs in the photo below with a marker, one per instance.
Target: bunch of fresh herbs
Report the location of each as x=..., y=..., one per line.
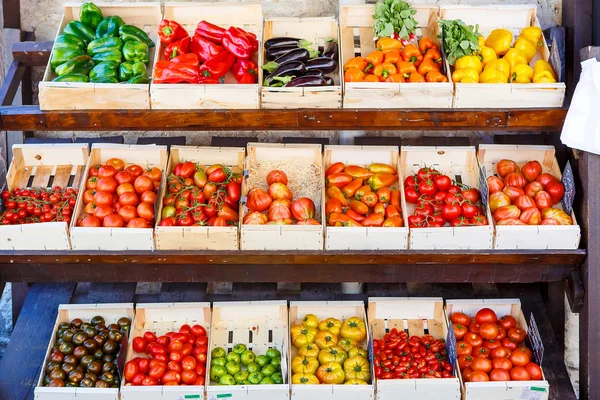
x=459, y=39
x=394, y=17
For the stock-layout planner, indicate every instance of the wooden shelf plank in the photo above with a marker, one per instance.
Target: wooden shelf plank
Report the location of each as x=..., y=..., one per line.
x=532, y=120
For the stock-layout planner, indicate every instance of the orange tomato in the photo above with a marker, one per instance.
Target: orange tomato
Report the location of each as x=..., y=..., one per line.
x=535, y=371
x=154, y=173
x=143, y=184
x=138, y=223
x=128, y=213
x=116, y=163
x=146, y=211
x=479, y=376
x=107, y=184
x=520, y=374
x=128, y=199
x=488, y=330
x=519, y=358
x=103, y=198
x=90, y=221
x=501, y=362
x=102, y=211
x=499, y=374
x=124, y=188
x=88, y=196
x=148, y=197
x=135, y=170
x=112, y=221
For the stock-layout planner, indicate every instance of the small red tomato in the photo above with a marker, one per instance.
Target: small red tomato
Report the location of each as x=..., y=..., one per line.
x=149, y=337
x=188, y=363
x=198, y=330
x=188, y=377
x=202, y=341
x=139, y=344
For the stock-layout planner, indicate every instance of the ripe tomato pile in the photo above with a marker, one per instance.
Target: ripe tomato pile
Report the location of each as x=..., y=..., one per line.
x=117, y=197
x=29, y=206
x=176, y=358
x=398, y=356
x=492, y=349
x=358, y=196
x=278, y=205
x=201, y=197
x=525, y=196
x=439, y=201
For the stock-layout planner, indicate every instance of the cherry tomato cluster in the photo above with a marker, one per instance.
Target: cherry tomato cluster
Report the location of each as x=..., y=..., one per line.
x=398, y=356
x=440, y=200
x=176, y=358
x=29, y=206
x=201, y=197
x=492, y=349
x=118, y=197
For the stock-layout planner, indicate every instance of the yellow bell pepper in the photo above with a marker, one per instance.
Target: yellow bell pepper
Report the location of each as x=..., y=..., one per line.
x=521, y=73
x=526, y=47
x=480, y=41
x=466, y=75
x=543, y=72
x=496, y=71
x=533, y=34
x=487, y=54
x=515, y=57
x=499, y=40
x=499, y=64
x=469, y=62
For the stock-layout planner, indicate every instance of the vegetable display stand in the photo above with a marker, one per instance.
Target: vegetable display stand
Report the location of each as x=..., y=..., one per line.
x=104, y=238
x=66, y=313
x=494, y=95
x=529, y=236
x=303, y=164
x=160, y=318
x=460, y=163
x=499, y=390
x=43, y=166
x=315, y=30
x=356, y=26
x=230, y=94
x=416, y=316
x=199, y=237
x=259, y=325
x=98, y=96
x=340, y=310
x=364, y=238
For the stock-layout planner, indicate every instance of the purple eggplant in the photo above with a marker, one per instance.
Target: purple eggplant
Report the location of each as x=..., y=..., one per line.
x=331, y=50
x=329, y=81
x=306, y=81
x=327, y=65
x=288, y=71
x=315, y=72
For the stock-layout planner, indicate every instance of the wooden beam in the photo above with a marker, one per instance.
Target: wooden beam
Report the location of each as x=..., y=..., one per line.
x=32, y=54
x=11, y=84
x=577, y=20
x=11, y=10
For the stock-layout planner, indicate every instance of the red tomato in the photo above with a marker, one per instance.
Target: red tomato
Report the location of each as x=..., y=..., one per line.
x=531, y=170
x=524, y=202
x=90, y=221
x=502, y=362
x=519, y=373
x=153, y=173
x=510, y=344
x=199, y=381
x=135, y=170
x=464, y=361
x=543, y=200
x=94, y=170
x=505, y=167
x=113, y=221
x=279, y=176
x=200, y=369
x=116, y=163
x=466, y=373
x=171, y=376
x=426, y=173
x=463, y=348
x=474, y=327
x=157, y=371
x=473, y=339
x=517, y=334
x=499, y=374
x=188, y=363
x=187, y=170
x=138, y=223
x=500, y=352
x=519, y=358
x=125, y=187
x=442, y=182
x=492, y=344
x=411, y=194
x=148, y=197
x=481, y=352
x=534, y=371
x=488, y=330
x=187, y=348
x=128, y=199
x=471, y=195
x=146, y=211
x=201, y=358
x=201, y=341
x=495, y=184
x=460, y=318
x=92, y=183
x=545, y=179
x=479, y=376
x=174, y=366
x=556, y=190
x=130, y=371
x=149, y=381
x=468, y=210
x=176, y=356
x=149, y=337
x=175, y=345
x=139, y=345
x=513, y=192
x=188, y=377
x=451, y=211
x=107, y=171
x=532, y=188
x=427, y=188
x=486, y=315
x=507, y=322
x=143, y=184
x=128, y=213
x=197, y=331
x=106, y=184
x=124, y=177
x=103, y=198
x=137, y=380
x=144, y=365
x=459, y=331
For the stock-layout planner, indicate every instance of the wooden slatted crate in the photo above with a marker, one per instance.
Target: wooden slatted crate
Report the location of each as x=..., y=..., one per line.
x=356, y=31
x=513, y=17
x=460, y=164
x=416, y=316
x=66, y=313
x=513, y=390
x=317, y=31
x=43, y=166
x=99, y=96
x=229, y=95
x=259, y=325
x=199, y=237
x=533, y=236
x=146, y=156
x=355, y=238
x=161, y=318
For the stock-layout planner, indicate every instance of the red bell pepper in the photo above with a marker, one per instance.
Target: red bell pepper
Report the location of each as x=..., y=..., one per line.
x=205, y=80
x=204, y=48
x=217, y=66
x=210, y=31
x=170, y=31
x=171, y=72
x=188, y=58
x=245, y=71
x=182, y=46
x=240, y=43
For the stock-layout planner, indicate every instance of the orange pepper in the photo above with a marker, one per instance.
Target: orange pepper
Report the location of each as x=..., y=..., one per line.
x=371, y=78
x=416, y=77
x=392, y=56
x=353, y=74
x=384, y=70
x=387, y=43
x=405, y=68
x=434, y=55
x=412, y=54
x=425, y=44
x=374, y=59
x=356, y=62
x=435, y=76
x=427, y=66
x=395, y=78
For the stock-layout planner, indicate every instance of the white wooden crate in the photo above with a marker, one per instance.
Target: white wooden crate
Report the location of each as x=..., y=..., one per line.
x=229, y=95
x=456, y=162
x=118, y=238
x=283, y=237
x=357, y=238
x=199, y=237
x=161, y=318
x=412, y=315
x=512, y=390
x=42, y=166
x=98, y=96
x=532, y=236
x=341, y=310
x=259, y=325
x=317, y=31
x=513, y=17
x=66, y=313
x=356, y=31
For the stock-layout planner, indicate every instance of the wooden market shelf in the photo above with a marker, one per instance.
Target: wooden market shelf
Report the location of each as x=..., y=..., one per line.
x=31, y=118
x=290, y=266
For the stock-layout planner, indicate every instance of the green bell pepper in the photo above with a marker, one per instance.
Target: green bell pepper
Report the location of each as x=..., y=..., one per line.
x=68, y=41
x=71, y=78
x=128, y=70
x=76, y=65
x=112, y=55
x=105, y=69
x=61, y=56
x=134, y=51
x=140, y=79
x=90, y=15
x=109, y=27
x=80, y=30
x=104, y=44
x=104, y=79
x=130, y=32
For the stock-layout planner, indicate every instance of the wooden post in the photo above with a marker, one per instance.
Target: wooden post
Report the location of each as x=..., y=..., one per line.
x=577, y=20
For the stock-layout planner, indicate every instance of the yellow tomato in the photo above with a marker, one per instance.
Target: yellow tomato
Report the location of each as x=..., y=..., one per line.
x=325, y=339
x=304, y=365
x=357, y=367
x=304, y=379
x=332, y=325
x=357, y=351
x=355, y=382
x=302, y=335
x=347, y=344
x=331, y=374
x=354, y=328
x=310, y=321
x=333, y=354
x=309, y=350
